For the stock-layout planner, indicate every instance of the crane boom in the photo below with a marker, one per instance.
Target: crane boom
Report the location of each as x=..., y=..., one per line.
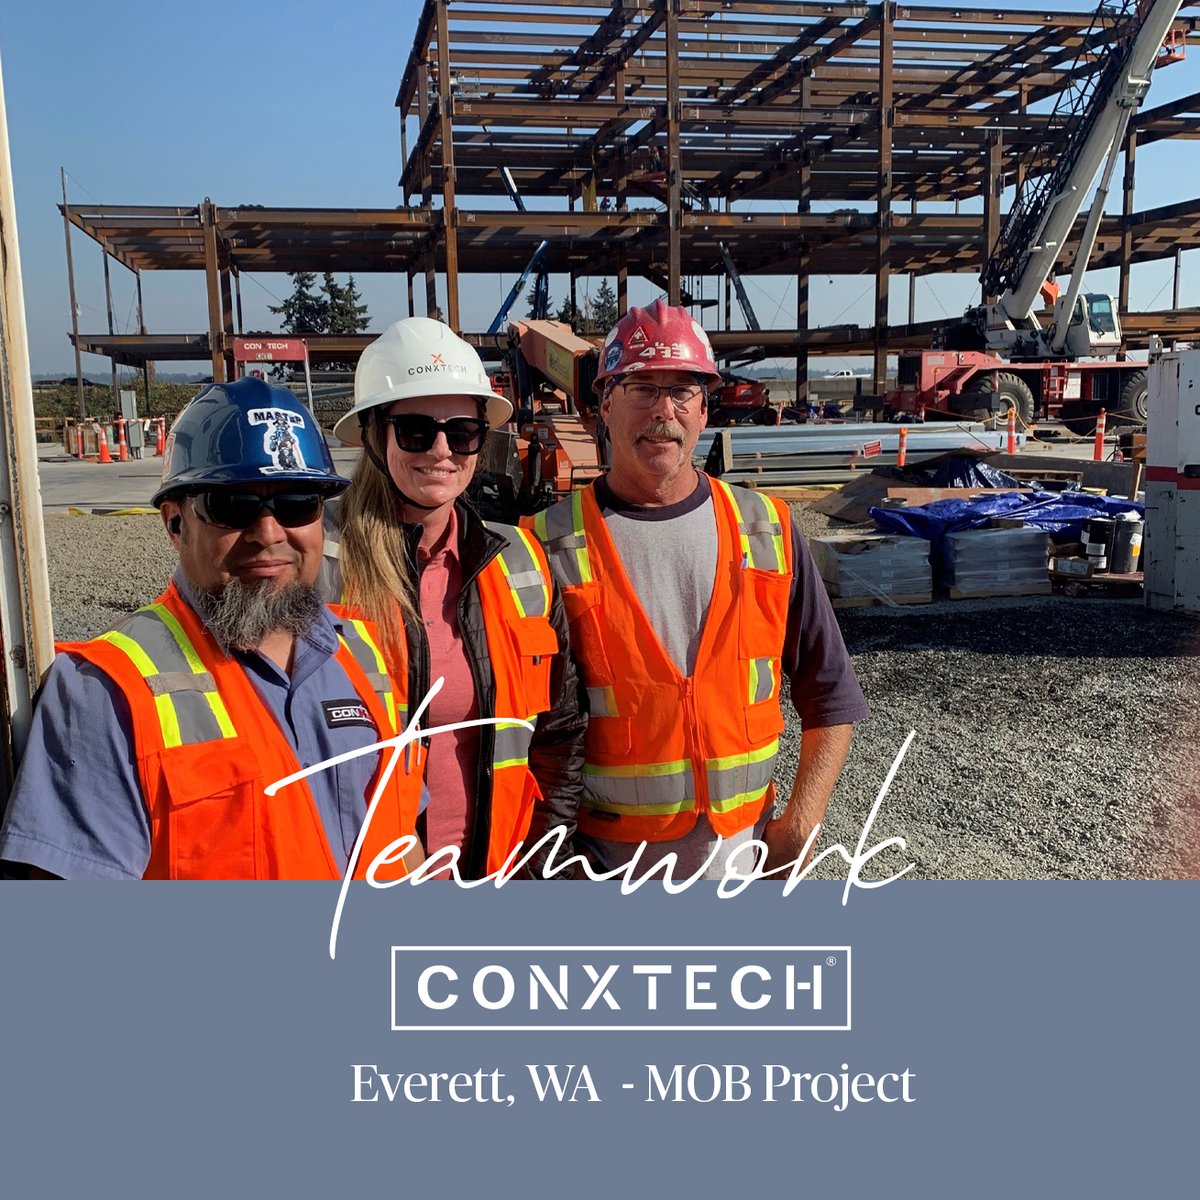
x=1090, y=127
x=1130, y=82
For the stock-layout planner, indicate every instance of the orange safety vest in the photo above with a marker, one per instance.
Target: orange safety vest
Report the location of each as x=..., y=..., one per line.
x=662, y=748
x=514, y=594
x=207, y=746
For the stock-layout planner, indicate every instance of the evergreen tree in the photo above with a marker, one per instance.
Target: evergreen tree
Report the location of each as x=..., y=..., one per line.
x=346, y=312
x=604, y=308
x=302, y=312
x=569, y=314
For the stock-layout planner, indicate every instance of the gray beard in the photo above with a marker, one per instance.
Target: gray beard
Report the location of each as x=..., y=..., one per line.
x=242, y=616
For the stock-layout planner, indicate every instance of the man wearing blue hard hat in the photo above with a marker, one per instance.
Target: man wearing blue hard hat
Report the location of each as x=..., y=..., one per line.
x=152, y=745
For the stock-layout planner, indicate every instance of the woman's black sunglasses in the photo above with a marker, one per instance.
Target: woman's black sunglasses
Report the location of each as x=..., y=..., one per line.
x=240, y=510
x=416, y=433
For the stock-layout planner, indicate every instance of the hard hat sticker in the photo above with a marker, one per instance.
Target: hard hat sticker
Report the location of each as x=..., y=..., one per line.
x=638, y=338
x=612, y=356
x=279, y=438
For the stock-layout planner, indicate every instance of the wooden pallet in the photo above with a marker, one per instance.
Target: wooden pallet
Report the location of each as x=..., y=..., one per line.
x=1115, y=587
x=868, y=601
x=1016, y=589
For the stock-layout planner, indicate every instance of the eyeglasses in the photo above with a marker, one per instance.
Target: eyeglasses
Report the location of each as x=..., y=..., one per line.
x=241, y=510
x=645, y=395
x=416, y=433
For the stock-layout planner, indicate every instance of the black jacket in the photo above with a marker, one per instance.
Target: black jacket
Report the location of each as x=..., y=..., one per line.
x=556, y=749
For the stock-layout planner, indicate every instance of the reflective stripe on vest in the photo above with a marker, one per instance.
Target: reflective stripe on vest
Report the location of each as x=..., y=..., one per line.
x=523, y=572
x=529, y=587
x=356, y=637
x=762, y=549
x=190, y=710
x=560, y=529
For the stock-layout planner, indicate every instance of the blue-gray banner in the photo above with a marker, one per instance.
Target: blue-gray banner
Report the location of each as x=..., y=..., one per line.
x=990, y=1040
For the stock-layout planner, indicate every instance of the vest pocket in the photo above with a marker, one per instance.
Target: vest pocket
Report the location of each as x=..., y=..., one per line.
x=584, y=616
x=211, y=811
x=763, y=612
x=764, y=721
x=537, y=644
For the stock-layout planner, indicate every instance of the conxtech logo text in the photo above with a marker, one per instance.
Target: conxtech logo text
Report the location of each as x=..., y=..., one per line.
x=621, y=987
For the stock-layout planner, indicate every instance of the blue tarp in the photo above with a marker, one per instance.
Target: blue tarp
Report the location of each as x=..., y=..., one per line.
x=1059, y=513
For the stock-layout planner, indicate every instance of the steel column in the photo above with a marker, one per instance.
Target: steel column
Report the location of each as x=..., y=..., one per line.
x=883, y=243
x=674, y=160
x=212, y=278
x=449, y=216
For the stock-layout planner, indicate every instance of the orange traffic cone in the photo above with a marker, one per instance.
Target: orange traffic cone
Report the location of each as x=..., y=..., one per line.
x=160, y=444
x=122, y=444
x=102, y=438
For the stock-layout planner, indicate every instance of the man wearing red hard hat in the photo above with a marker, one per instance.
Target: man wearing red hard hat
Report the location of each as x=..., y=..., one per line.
x=688, y=601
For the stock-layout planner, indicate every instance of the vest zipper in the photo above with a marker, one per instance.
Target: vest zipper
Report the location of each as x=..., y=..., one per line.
x=691, y=735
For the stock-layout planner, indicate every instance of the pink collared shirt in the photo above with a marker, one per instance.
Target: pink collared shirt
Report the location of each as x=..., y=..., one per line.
x=450, y=772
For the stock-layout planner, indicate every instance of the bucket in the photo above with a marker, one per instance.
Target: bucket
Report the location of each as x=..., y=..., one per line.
x=1127, y=547
x=1098, y=533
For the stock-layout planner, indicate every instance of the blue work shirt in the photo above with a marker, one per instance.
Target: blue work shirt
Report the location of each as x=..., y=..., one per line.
x=76, y=808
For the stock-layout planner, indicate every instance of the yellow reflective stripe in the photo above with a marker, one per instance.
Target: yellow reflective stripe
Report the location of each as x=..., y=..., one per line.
x=582, y=557
x=168, y=719
x=527, y=538
x=724, y=806
x=512, y=591
x=741, y=760
x=743, y=536
x=632, y=772
x=369, y=642
x=639, y=810
x=539, y=525
x=753, y=680
x=215, y=703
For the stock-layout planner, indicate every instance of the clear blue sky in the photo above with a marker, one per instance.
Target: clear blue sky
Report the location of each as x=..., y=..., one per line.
x=153, y=103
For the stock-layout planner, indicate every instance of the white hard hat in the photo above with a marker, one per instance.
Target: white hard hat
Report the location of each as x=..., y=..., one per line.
x=418, y=357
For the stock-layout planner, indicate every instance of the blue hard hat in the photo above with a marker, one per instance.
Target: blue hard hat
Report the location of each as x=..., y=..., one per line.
x=246, y=432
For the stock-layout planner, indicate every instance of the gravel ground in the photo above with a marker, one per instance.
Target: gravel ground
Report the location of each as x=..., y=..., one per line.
x=1055, y=737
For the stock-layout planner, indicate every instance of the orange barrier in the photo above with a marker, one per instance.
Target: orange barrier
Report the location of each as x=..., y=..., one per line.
x=1098, y=451
x=160, y=444
x=79, y=442
x=902, y=453
x=1012, y=430
x=102, y=438
x=122, y=444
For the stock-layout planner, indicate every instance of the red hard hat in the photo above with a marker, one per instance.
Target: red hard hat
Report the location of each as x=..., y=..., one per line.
x=656, y=338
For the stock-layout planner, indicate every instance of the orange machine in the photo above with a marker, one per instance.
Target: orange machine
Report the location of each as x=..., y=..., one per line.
x=558, y=443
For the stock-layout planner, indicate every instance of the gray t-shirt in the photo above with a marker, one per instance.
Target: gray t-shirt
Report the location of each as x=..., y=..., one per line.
x=672, y=566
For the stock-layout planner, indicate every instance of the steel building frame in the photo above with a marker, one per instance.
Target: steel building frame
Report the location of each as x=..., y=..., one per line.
x=640, y=135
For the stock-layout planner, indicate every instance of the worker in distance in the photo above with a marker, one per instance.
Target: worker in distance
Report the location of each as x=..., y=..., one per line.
x=153, y=746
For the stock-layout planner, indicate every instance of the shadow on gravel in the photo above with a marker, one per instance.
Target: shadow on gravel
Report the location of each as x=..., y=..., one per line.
x=1041, y=627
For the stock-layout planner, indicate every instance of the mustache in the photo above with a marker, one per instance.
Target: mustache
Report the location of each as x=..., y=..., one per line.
x=671, y=429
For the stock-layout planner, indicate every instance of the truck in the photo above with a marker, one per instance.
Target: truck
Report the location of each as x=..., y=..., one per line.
x=1003, y=354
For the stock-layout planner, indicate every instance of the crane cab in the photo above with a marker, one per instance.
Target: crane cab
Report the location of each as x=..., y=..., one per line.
x=1095, y=328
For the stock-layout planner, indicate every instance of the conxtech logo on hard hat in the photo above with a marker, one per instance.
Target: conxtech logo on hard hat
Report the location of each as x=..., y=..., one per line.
x=439, y=365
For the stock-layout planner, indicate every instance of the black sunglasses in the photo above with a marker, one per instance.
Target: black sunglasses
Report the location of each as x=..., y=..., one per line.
x=240, y=510
x=416, y=433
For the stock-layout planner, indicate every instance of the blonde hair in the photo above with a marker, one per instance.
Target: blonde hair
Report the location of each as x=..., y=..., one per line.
x=377, y=577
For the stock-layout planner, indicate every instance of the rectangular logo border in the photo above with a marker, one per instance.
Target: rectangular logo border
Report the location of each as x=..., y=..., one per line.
x=846, y=1028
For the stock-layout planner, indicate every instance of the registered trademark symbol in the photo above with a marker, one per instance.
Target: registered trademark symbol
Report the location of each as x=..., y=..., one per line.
x=831, y=961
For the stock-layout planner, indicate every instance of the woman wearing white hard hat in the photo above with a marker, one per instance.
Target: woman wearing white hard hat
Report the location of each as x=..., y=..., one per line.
x=468, y=603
